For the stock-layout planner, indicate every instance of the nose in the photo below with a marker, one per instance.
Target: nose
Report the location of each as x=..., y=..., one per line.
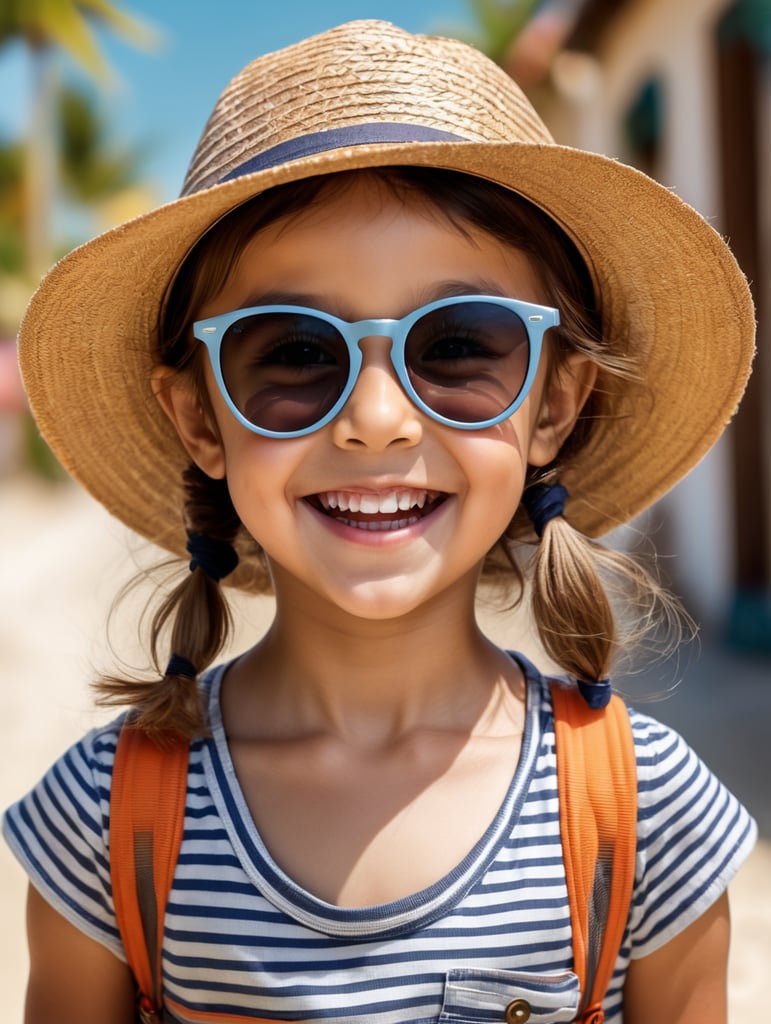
x=378, y=413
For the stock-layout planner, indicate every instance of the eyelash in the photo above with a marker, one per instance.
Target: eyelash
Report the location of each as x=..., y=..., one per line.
x=288, y=344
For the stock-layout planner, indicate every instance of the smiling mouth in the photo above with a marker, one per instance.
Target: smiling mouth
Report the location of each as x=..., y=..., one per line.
x=395, y=509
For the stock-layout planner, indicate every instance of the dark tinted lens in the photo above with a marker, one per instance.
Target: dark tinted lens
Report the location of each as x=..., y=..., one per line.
x=468, y=360
x=283, y=371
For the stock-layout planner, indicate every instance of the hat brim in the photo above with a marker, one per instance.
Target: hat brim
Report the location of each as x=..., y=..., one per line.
x=666, y=283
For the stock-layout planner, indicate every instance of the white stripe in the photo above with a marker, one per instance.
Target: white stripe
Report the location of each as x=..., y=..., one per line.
x=514, y=918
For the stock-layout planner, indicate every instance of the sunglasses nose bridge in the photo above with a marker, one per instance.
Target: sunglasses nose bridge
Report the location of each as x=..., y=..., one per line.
x=381, y=329
x=367, y=341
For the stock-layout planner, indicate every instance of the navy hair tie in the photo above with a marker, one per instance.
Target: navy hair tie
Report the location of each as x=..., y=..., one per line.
x=216, y=558
x=543, y=502
x=596, y=694
x=182, y=667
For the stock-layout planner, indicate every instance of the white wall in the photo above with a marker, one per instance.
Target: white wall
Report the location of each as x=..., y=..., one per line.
x=674, y=43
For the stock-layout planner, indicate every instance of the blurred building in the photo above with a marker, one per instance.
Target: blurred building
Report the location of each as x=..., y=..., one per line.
x=683, y=91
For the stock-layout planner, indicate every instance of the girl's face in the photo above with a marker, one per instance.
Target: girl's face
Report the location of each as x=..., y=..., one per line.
x=383, y=509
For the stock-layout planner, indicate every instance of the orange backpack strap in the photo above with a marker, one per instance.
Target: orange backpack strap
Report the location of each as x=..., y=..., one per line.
x=147, y=814
x=597, y=781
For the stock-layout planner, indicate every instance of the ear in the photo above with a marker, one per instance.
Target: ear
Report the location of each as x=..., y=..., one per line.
x=567, y=388
x=197, y=430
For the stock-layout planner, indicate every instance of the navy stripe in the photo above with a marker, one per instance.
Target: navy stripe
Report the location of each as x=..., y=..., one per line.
x=67, y=896
x=66, y=841
x=695, y=784
x=363, y=1011
x=705, y=868
x=293, y=991
x=80, y=790
x=339, y=138
x=230, y=945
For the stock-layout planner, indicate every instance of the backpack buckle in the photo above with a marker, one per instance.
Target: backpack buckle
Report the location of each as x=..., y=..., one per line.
x=593, y=1014
x=148, y=1014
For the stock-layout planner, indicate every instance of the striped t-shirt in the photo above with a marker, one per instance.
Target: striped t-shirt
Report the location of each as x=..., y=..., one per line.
x=241, y=938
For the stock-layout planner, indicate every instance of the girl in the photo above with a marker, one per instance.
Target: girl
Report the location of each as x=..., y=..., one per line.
x=390, y=336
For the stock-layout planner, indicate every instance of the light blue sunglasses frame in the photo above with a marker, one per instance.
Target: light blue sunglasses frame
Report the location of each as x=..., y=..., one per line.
x=536, y=320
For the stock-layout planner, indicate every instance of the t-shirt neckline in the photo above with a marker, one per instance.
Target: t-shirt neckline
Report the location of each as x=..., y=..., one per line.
x=388, y=919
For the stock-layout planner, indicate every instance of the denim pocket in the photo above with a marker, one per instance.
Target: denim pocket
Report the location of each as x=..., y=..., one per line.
x=509, y=997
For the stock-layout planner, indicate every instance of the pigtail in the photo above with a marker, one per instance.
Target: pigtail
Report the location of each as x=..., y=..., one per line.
x=192, y=623
x=571, y=607
x=577, y=589
x=572, y=612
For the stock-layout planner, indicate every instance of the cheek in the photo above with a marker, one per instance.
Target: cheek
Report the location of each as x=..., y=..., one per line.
x=259, y=472
x=496, y=472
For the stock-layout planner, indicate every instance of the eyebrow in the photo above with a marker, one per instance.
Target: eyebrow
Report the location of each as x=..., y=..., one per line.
x=280, y=298
x=476, y=286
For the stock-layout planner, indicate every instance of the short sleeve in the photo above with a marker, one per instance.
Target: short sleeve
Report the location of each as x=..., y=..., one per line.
x=693, y=835
x=59, y=832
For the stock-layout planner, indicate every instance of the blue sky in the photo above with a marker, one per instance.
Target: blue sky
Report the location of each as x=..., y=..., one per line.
x=162, y=99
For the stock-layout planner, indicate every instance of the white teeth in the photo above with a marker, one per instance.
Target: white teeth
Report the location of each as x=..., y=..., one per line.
x=386, y=503
x=381, y=525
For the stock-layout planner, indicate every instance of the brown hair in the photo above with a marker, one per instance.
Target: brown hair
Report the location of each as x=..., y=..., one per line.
x=573, y=578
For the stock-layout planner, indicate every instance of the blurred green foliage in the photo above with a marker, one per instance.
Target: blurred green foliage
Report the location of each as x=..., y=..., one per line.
x=498, y=23
x=69, y=25
x=67, y=154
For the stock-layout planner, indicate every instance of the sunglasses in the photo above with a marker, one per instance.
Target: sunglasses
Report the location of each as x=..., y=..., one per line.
x=466, y=361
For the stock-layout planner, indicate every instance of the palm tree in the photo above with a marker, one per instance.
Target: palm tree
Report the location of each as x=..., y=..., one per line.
x=525, y=36
x=47, y=26
x=11, y=211
x=93, y=173
x=91, y=169
x=499, y=23
x=68, y=24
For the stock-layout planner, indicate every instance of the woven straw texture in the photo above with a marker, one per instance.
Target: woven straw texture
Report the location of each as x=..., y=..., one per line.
x=666, y=282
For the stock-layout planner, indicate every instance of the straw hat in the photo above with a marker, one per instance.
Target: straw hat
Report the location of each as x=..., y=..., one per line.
x=362, y=95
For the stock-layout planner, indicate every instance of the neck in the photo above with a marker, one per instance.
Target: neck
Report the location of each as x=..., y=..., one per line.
x=319, y=670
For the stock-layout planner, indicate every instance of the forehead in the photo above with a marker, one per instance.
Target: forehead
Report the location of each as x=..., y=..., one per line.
x=368, y=240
